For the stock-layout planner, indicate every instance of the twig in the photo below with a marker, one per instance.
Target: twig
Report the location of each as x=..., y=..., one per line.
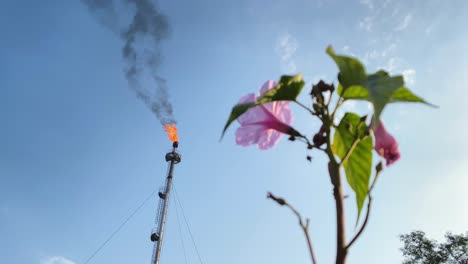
x=329, y=99
x=364, y=224
x=378, y=169
x=309, y=241
x=338, y=104
x=305, y=227
x=306, y=108
x=305, y=140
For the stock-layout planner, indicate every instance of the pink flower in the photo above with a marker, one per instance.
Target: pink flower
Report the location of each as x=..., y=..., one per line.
x=386, y=145
x=264, y=124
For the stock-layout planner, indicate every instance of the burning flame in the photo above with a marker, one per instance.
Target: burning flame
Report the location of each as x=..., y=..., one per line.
x=172, y=132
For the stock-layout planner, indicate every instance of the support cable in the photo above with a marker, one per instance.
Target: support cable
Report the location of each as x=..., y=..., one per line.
x=188, y=227
x=120, y=227
x=180, y=231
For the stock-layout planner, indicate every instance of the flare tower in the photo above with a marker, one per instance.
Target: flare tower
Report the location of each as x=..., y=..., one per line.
x=173, y=157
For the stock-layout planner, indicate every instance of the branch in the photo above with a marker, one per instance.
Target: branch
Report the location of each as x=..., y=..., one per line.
x=305, y=227
x=451, y=254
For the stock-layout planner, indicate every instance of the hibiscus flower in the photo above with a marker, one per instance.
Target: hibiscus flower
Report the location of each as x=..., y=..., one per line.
x=264, y=124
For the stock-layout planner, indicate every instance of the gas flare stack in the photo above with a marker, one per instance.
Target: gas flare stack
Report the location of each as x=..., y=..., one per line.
x=173, y=157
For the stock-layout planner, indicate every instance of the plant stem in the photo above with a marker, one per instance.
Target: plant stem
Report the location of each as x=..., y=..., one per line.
x=341, y=250
x=335, y=177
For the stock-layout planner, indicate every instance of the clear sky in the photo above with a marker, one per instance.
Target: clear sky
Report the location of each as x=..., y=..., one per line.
x=79, y=152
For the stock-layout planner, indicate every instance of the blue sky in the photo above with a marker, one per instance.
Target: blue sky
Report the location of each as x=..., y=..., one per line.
x=79, y=152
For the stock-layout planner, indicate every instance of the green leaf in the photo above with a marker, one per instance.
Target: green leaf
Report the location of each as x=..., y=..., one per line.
x=358, y=165
x=381, y=87
x=237, y=111
x=403, y=94
x=354, y=92
x=352, y=72
x=287, y=89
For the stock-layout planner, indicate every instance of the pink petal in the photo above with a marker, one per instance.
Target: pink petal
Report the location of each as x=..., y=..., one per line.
x=247, y=99
x=268, y=85
x=249, y=134
x=386, y=145
x=269, y=139
x=263, y=125
x=279, y=109
x=254, y=115
x=282, y=111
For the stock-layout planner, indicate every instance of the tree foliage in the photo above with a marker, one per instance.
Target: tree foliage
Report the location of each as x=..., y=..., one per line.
x=418, y=249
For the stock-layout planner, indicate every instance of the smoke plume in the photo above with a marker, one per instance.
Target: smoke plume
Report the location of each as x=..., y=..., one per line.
x=141, y=32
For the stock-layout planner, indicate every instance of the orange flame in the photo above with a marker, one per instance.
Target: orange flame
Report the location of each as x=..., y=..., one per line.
x=172, y=132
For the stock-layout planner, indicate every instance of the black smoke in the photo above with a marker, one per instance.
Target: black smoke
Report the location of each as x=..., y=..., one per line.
x=142, y=27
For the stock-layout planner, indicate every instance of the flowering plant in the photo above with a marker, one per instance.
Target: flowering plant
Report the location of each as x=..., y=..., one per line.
x=348, y=143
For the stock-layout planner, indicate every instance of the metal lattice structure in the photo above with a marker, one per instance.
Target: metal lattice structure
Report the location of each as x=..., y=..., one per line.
x=173, y=157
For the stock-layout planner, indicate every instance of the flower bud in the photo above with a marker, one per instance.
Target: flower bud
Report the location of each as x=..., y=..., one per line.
x=280, y=201
x=323, y=87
